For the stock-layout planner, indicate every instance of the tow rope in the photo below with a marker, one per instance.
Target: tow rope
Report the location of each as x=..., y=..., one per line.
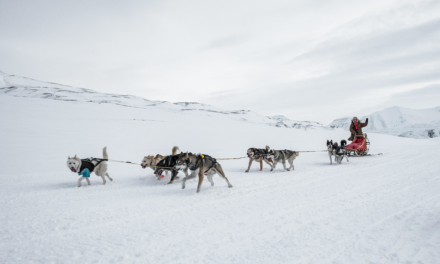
x=313, y=151
x=129, y=162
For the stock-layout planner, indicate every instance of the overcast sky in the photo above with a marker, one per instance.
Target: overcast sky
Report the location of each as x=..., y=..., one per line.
x=308, y=60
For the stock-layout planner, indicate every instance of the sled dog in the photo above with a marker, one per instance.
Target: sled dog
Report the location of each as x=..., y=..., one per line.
x=255, y=154
x=282, y=156
x=167, y=164
x=151, y=161
x=85, y=167
x=339, y=152
x=200, y=165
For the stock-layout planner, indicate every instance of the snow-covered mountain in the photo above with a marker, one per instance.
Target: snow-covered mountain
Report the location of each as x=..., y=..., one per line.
x=399, y=121
x=286, y=122
x=17, y=86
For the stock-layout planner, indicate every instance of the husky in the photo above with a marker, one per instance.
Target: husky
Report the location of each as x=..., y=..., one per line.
x=85, y=167
x=167, y=164
x=255, y=154
x=151, y=161
x=282, y=156
x=339, y=152
x=200, y=165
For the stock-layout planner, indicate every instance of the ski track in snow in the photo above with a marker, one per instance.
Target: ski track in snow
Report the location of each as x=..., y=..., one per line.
x=376, y=209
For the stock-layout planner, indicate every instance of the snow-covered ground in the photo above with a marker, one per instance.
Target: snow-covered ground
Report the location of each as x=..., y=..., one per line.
x=399, y=121
x=377, y=209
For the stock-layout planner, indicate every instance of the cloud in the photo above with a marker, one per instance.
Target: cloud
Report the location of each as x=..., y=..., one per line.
x=309, y=60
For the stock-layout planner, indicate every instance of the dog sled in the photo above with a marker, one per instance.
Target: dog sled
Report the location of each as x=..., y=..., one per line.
x=359, y=147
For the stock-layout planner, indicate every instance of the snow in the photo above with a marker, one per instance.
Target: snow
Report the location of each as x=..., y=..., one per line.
x=377, y=209
x=17, y=86
x=399, y=121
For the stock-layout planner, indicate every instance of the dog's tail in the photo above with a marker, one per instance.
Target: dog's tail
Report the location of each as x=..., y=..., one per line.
x=175, y=148
x=267, y=148
x=104, y=153
x=343, y=142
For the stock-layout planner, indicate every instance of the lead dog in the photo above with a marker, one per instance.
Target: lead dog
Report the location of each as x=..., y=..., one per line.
x=85, y=167
x=255, y=154
x=167, y=164
x=282, y=156
x=200, y=165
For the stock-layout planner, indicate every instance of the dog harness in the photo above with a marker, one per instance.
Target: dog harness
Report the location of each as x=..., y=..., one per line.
x=194, y=166
x=168, y=161
x=260, y=153
x=88, y=165
x=213, y=161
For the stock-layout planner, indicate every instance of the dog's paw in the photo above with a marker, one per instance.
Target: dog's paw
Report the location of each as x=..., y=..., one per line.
x=247, y=171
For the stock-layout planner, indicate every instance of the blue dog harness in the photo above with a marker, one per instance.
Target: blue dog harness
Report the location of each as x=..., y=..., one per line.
x=88, y=165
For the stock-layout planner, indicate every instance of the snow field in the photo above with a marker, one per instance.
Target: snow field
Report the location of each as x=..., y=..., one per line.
x=378, y=209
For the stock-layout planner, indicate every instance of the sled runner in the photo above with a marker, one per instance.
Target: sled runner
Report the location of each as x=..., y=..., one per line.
x=359, y=147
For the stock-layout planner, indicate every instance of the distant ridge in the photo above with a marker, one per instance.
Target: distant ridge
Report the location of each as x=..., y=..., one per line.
x=17, y=86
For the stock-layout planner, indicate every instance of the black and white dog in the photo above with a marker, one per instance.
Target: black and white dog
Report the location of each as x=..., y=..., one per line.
x=167, y=164
x=339, y=152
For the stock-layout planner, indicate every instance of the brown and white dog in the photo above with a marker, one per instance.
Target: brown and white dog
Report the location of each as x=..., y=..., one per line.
x=200, y=165
x=151, y=161
x=255, y=154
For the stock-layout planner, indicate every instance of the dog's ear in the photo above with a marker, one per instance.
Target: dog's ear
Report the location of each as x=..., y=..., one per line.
x=75, y=156
x=68, y=157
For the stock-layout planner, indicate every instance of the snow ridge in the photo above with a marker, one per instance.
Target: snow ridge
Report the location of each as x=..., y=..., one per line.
x=17, y=86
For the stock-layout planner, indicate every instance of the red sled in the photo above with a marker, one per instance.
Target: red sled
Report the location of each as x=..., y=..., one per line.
x=359, y=147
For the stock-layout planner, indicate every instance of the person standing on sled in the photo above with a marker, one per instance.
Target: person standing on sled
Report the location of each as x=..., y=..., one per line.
x=357, y=137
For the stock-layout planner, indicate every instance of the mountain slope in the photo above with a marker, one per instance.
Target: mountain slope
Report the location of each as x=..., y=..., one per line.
x=11, y=85
x=399, y=121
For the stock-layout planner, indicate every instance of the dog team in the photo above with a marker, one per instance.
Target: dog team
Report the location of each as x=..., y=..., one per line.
x=197, y=164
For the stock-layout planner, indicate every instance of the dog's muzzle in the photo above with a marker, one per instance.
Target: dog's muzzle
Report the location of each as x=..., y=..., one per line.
x=250, y=155
x=143, y=166
x=180, y=167
x=73, y=169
